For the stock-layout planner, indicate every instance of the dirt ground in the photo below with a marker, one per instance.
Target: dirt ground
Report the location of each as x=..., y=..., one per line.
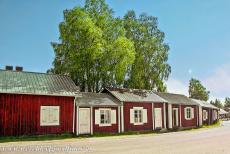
x=202, y=141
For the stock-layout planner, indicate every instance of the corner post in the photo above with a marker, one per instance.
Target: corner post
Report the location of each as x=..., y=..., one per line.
x=122, y=117
x=91, y=120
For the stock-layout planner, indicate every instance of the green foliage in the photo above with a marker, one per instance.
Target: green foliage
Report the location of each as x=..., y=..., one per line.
x=217, y=103
x=93, y=48
x=197, y=90
x=98, y=50
x=227, y=102
x=150, y=67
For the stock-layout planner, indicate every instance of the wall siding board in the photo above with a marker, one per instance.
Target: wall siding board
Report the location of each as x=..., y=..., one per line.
x=20, y=114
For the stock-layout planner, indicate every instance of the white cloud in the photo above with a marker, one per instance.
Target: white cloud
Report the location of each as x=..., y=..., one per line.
x=218, y=83
x=177, y=86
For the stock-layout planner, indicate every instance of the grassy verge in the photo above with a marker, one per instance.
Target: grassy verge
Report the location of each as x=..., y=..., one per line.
x=69, y=136
x=213, y=125
x=124, y=134
x=35, y=138
x=218, y=124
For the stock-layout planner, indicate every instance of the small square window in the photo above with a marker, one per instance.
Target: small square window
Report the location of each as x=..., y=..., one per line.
x=105, y=116
x=49, y=115
x=138, y=118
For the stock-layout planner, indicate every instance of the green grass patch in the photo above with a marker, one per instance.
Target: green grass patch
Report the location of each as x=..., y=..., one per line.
x=217, y=124
x=35, y=138
x=124, y=133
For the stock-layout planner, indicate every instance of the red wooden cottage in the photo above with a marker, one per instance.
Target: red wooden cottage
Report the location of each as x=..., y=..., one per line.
x=36, y=103
x=182, y=112
x=140, y=110
x=97, y=113
x=208, y=113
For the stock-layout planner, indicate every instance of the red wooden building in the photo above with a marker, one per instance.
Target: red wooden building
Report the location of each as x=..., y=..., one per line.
x=141, y=110
x=182, y=112
x=208, y=113
x=36, y=103
x=97, y=113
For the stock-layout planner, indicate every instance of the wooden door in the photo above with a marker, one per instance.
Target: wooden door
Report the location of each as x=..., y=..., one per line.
x=84, y=120
x=175, y=117
x=158, y=118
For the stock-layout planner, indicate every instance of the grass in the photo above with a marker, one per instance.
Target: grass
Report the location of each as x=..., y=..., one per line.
x=213, y=125
x=123, y=134
x=71, y=136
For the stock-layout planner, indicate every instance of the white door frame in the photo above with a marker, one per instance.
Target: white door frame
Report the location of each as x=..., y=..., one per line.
x=86, y=123
x=159, y=111
x=177, y=117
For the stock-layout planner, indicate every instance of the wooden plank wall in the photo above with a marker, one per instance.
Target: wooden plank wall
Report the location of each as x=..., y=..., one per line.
x=20, y=114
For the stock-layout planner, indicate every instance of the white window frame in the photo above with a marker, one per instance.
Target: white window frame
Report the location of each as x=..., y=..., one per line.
x=48, y=115
x=108, y=119
x=188, y=110
x=139, y=119
x=205, y=115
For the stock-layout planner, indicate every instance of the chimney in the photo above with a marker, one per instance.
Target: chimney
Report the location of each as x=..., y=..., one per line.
x=18, y=68
x=9, y=68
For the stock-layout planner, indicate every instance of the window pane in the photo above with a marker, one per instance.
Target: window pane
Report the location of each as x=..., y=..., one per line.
x=140, y=116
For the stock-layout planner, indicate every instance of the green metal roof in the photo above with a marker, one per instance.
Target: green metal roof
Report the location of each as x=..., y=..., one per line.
x=36, y=83
x=135, y=95
x=176, y=98
x=204, y=104
x=97, y=99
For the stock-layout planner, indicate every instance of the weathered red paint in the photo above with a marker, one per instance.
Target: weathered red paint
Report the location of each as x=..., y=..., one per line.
x=130, y=127
x=189, y=123
x=20, y=114
x=105, y=129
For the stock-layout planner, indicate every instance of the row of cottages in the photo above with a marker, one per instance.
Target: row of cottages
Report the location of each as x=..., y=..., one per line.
x=38, y=103
x=208, y=113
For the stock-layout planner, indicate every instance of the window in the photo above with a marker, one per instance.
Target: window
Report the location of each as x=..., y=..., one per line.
x=189, y=113
x=49, y=115
x=215, y=115
x=205, y=115
x=138, y=118
x=105, y=116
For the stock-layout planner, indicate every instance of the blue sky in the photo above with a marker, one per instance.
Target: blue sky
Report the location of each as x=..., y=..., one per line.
x=197, y=32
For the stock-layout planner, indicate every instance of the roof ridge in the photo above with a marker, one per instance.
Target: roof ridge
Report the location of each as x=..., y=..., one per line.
x=30, y=72
x=172, y=94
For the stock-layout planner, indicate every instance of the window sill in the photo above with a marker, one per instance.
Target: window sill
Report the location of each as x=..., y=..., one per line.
x=138, y=123
x=188, y=118
x=105, y=125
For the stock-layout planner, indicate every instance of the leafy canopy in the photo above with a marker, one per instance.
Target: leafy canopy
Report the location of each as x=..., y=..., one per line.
x=150, y=68
x=97, y=49
x=217, y=103
x=197, y=90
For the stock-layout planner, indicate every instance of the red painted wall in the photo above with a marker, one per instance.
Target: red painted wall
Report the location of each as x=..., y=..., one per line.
x=189, y=123
x=130, y=127
x=105, y=129
x=20, y=114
